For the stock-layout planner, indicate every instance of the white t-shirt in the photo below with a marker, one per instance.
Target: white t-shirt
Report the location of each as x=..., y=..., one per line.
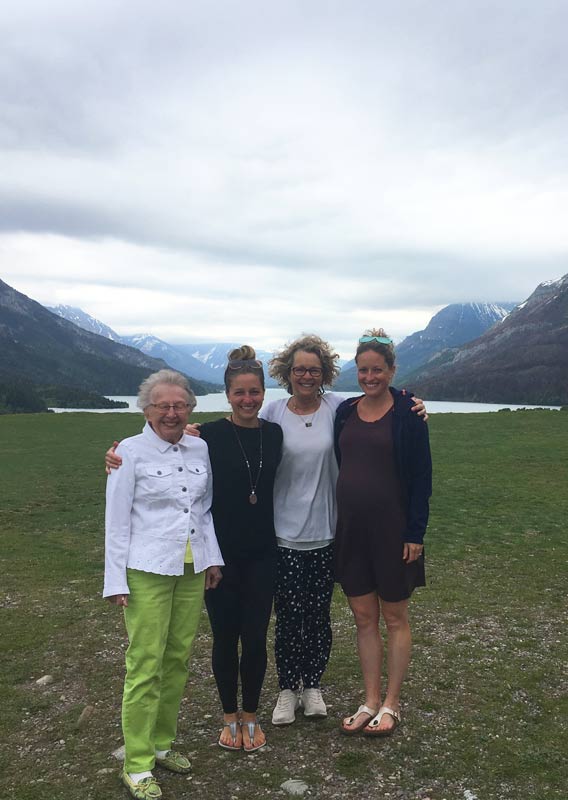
x=304, y=490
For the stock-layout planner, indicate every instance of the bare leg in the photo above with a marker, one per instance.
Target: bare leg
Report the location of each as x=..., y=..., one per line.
x=366, y=611
x=395, y=616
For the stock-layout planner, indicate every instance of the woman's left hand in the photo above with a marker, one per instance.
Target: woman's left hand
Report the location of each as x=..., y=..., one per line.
x=419, y=408
x=213, y=576
x=411, y=551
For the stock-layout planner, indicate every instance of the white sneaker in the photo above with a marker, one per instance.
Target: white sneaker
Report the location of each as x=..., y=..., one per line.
x=313, y=703
x=285, y=709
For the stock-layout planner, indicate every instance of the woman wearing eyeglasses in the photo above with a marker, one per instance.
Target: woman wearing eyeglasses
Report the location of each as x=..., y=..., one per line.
x=160, y=553
x=244, y=453
x=305, y=520
x=383, y=491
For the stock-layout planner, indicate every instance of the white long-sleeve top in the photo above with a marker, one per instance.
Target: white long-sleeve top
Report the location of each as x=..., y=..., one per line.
x=158, y=499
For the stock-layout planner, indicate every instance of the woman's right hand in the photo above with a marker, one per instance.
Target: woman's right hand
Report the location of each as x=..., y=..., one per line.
x=192, y=430
x=112, y=461
x=118, y=599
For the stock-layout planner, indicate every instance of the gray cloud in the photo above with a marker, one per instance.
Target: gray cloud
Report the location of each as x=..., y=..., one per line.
x=375, y=155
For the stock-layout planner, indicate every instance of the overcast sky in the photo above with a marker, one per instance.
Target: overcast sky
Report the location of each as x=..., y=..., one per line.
x=247, y=170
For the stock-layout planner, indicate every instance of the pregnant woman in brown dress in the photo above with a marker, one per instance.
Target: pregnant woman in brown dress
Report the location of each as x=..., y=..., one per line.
x=384, y=485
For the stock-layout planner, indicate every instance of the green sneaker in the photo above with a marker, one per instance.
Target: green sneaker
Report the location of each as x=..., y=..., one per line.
x=145, y=789
x=175, y=762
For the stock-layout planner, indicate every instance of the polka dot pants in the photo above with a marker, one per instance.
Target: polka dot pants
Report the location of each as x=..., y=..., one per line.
x=304, y=587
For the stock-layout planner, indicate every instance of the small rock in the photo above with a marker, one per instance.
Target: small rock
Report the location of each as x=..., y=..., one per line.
x=119, y=753
x=467, y=795
x=44, y=680
x=86, y=714
x=105, y=771
x=294, y=786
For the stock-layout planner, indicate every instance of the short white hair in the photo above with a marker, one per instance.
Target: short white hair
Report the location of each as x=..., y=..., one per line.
x=167, y=377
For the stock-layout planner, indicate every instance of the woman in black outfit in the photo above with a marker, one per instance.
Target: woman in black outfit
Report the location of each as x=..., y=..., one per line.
x=244, y=453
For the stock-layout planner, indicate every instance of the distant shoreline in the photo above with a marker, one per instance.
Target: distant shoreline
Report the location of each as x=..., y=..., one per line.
x=217, y=403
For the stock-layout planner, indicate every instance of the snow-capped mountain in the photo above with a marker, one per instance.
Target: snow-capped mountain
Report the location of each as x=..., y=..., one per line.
x=213, y=356
x=79, y=317
x=524, y=359
x=202, y=361
x=453, y=326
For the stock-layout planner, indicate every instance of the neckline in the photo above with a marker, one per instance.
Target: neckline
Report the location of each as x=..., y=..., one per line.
x=373, y=421
x=229, y=421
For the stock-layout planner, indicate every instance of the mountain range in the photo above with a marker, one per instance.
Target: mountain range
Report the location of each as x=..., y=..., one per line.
x=523, y=359
x=452, y=326
x=45, y=349
x=470, y=352
x=204, y=361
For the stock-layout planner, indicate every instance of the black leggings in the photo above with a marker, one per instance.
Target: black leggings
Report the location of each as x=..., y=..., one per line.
x=239, y=608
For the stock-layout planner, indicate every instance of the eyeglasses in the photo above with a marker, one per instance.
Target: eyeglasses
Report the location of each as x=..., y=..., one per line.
x=315, y=372
x=379, y=339
x=165, y=407
x=238, y=363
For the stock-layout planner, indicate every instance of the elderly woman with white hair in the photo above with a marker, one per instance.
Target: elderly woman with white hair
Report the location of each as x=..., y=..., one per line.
x=161, y=552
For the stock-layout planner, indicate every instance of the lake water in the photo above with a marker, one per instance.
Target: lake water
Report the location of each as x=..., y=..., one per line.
x=218, y=402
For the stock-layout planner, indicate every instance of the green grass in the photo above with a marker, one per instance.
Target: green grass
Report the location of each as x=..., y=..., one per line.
x=484, y=705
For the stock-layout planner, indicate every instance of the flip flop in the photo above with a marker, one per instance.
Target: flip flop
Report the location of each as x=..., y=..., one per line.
x=372, y=729
x=250, y=728
x=232, y=726
x=353, y=729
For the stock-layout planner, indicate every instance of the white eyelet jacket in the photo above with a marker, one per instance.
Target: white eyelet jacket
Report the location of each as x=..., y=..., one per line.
x=155, y=501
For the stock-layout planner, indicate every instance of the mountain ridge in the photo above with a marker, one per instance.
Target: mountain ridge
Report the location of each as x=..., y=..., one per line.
x=46, y=349
x=524, y=359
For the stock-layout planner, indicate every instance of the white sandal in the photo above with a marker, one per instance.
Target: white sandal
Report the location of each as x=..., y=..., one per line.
x=370, y=712
x=372, y=729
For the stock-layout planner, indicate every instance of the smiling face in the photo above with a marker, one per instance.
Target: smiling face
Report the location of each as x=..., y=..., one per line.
x=168, y=425
x=245, y=397
x=306, y=385
x=374, y=374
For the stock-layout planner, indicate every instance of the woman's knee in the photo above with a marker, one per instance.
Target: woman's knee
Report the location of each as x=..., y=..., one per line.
x=366, y=612
x=395, y=616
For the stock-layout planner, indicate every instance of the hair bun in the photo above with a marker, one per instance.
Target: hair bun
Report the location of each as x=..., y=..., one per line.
x=243, y=353
x=376, y=332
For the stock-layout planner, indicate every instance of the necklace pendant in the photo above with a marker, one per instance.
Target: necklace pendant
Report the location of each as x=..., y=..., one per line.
x=308, y=424
x=253, y=499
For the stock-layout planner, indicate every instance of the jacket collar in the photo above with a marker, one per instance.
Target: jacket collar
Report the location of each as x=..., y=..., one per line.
x=160, y=444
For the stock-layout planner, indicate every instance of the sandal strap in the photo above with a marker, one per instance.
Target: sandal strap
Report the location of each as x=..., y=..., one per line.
x=232, y=726
x=376, y=721
x=362, y=710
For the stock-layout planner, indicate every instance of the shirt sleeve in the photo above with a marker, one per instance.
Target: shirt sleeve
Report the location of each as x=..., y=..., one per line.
x=214, y=556
x=119, y=499
x=419, y=466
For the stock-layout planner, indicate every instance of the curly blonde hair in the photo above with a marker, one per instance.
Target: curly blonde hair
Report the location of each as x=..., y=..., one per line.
x=385, y=350
x=280, y=365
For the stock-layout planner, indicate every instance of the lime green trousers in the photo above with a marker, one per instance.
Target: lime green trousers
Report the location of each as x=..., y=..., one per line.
x=161, y=619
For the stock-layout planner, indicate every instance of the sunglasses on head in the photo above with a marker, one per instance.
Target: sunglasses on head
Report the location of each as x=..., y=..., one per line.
x=379, y=339
x=241, y=363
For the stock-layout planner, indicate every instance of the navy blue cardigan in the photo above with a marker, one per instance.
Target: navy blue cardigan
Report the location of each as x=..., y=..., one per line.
x=413, y=459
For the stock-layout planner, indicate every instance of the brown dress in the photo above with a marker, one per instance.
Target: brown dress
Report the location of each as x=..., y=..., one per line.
x=371, y=507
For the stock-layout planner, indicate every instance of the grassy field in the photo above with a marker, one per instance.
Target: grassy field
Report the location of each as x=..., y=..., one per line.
x=485, y=703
